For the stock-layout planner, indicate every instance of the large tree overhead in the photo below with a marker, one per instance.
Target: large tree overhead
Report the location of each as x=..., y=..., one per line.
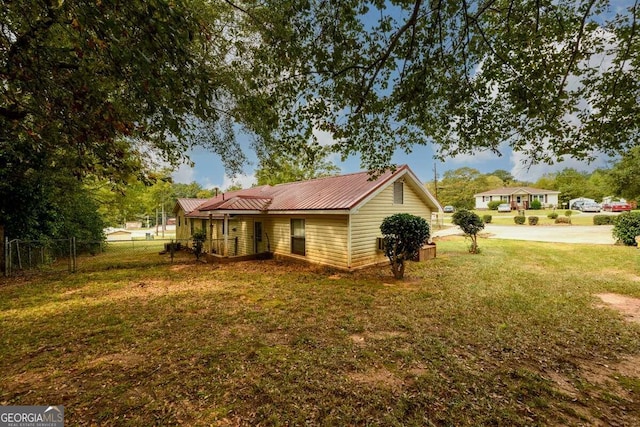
x=93, y=86
x=548, y=78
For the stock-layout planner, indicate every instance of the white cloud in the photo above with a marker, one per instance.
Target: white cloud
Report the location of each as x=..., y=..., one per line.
x=246, y=180
x=524, y=171
x=185, y=174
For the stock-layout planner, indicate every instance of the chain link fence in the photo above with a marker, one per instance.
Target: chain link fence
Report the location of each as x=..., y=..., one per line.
x=44, y=256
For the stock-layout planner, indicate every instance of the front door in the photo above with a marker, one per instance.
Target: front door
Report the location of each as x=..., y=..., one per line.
x=257, y=236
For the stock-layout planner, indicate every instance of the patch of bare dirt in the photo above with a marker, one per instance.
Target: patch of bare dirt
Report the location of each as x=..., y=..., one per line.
x=628, y=306
x=125, y=360
x=380, y=377
x=361, y=339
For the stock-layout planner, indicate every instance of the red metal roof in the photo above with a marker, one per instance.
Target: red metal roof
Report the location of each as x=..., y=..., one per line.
x=341, y=192
x=189, y=205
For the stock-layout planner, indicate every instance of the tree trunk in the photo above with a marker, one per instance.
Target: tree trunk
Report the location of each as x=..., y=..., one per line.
x=474, y=244
x=398, y=269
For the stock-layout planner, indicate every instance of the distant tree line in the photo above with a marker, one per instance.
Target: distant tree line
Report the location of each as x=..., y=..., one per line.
x=457, y=187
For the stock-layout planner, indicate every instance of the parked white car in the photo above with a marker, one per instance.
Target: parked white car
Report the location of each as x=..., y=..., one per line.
x=590, y=207
x=504, y=207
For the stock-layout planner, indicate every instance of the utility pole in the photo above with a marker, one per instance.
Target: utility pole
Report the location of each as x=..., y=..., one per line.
x=435, y=179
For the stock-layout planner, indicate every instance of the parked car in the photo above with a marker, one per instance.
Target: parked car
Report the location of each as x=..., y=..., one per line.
x=590, y=207
x=449, y=209
x=505, y=207
x=616, y=207
x=577, y=206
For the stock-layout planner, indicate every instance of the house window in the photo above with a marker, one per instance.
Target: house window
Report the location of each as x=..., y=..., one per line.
x=297, y=237
x=398, y=193
x=191, y=224
x=179, y=220
x=204, y=225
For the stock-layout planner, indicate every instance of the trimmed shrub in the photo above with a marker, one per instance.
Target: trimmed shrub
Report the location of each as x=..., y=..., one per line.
x=493, y=205
x=568, y=213
x=533, y=220
x=603, y=219
x=403, y=234
x=626, y=227
x=563, y=220
x=519, y=219
x=553, y=215
x=535, y=205
x=471, y=224
x=487, y=219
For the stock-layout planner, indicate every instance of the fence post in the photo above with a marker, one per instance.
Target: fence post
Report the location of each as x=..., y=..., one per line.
x=75, y=255
x=70, y=254
x=5, y=253
x=18, y=253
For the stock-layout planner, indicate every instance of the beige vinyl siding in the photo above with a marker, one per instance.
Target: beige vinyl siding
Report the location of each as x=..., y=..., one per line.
x=182, y=230
x=242, y=228
x=325, y=238
x=365, y=223
x=277, y=228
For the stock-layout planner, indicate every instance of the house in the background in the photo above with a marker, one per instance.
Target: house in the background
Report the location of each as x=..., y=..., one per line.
x=517, y=197
x=333, y=221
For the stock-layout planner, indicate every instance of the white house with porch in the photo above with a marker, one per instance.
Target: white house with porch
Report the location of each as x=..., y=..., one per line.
x=517, y=197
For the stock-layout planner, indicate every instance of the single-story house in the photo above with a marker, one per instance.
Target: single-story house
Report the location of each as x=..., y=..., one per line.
x=115, y=234
x=332, y=221
x=186, y=227
x=517, y=197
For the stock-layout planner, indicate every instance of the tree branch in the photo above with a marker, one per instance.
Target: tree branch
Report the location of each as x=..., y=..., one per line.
x=378, y=64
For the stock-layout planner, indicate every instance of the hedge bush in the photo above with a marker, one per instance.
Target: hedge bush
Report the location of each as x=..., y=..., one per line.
x=553, y=215
x=563, y=220
x=626, y=227
x=519, y=219
x=487, y=219
x=533, y=220
x=535, y=205
x=603, y=219
x=568, y=213
x=493, y=205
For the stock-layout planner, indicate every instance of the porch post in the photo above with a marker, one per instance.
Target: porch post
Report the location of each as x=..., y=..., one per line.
x=226, y=235
x=210, y=240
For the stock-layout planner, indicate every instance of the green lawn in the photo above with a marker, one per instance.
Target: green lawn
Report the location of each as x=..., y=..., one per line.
x=513, y=336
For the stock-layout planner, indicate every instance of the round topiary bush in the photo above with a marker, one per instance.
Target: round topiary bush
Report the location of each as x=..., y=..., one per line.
x=533, y=220
x=553, y=215
x=403, y=234
x=487, y=219
x=563, y=220
x=603, y=219
x=471, y=225
x=626, y=227
x=520, y=219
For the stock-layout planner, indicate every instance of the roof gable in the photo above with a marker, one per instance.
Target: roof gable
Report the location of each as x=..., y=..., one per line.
x=188, y=205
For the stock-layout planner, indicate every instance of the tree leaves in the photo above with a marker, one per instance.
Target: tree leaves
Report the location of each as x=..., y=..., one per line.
x=550, y=79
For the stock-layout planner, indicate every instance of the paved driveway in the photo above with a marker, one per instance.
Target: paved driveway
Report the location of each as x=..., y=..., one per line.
x=594, y=234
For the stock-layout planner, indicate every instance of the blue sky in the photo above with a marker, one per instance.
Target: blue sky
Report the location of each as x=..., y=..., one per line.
x=209, y=172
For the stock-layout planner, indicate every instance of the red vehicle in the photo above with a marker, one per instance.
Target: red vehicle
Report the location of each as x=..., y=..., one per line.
x=616, y=207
